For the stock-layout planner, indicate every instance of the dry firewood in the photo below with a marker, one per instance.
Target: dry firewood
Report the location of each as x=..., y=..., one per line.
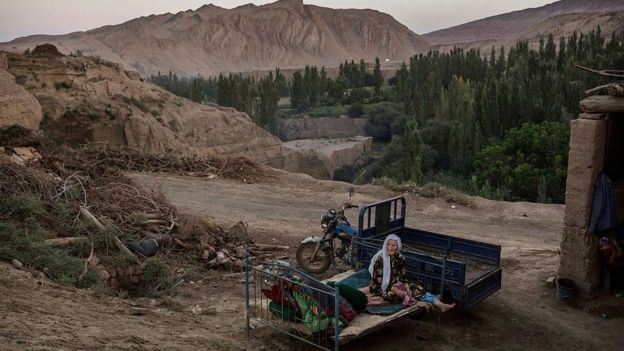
x=92, y=218
x=598, y=88
x=608, y=73
x=162, y=222
x=156, y=236
x=116, y=240
x=614, y=89
x=179, y=242
x=87, y=261
x=266, y=247
x=147, y=215
x=63, y=241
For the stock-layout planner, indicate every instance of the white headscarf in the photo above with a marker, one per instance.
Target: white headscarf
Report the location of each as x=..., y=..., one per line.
x=386, y=261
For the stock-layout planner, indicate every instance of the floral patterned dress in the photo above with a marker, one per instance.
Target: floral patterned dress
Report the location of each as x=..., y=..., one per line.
x=398, y=273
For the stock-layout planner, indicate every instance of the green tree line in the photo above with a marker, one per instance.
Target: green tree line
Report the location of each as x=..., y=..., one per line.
x=312, y=87
x=258, y=98
x=478, y=115
x=198, y=89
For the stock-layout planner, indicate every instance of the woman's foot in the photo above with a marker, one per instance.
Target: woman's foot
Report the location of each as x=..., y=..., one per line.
x=445, y=307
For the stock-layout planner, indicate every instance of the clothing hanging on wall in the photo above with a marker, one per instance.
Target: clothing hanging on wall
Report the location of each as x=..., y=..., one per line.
x=602, y=216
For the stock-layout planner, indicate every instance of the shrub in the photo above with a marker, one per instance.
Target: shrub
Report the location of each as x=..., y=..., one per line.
x=22, y=237
x=356, y=110
x=157, y=279
x=21, y=207
x=529, y=164
x=385, y=120
x=401, y=159
x=346, y=173
x=26, y=245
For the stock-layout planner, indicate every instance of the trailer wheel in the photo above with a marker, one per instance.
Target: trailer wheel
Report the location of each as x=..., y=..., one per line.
x=320, y=264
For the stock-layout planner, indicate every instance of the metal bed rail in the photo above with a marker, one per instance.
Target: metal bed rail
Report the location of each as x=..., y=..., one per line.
x=312, y=325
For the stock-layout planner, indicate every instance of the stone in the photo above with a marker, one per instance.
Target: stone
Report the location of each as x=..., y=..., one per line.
x=17, y=264
x=27, y=153
x=17, y=106
x=94, y=261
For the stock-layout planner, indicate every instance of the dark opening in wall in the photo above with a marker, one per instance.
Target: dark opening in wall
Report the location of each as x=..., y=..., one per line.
x=614, y=153
x=614, y=168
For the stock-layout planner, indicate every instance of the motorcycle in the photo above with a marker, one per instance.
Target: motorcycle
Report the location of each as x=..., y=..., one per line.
x=316, y=254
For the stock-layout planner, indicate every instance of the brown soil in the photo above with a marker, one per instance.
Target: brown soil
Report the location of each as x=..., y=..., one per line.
x=284, y=208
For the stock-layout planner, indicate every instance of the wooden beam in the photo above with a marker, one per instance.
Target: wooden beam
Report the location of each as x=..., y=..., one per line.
x=64, y=241
x=602, y=104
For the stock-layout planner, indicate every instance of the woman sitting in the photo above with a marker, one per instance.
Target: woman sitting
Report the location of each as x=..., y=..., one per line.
x=389, y=278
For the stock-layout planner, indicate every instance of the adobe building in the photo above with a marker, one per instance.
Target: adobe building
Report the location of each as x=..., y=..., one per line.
x=596, y=145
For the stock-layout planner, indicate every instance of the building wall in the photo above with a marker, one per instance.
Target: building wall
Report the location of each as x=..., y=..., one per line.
x=579, y=250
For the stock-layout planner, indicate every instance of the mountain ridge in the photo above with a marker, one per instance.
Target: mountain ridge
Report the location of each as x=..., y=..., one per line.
x=507, y=28
x=211, y=39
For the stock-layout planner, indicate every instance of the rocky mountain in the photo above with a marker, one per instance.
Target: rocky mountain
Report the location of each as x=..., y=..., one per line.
x=560, y=18
x=86, y=99
x=212, y=39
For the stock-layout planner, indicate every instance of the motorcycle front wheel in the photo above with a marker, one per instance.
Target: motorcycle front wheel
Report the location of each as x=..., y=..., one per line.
x=321, y=262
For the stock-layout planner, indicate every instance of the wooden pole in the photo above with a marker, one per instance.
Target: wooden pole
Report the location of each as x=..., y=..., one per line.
x=64, y=241
x=603, y=104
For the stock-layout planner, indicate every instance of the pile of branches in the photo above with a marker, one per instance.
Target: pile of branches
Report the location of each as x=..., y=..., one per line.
x=16, y=179
x=100, y=160
x=91, y=180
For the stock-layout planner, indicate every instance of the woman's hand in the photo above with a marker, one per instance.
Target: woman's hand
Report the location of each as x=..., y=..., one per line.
x=400, y=293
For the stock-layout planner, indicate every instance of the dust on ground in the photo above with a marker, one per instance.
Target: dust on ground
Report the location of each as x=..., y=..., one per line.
x=284, y=208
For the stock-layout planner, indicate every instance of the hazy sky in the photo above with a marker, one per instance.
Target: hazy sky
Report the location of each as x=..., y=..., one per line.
x=25, y=17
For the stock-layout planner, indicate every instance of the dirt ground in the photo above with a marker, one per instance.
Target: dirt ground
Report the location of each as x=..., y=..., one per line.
x=284, y=208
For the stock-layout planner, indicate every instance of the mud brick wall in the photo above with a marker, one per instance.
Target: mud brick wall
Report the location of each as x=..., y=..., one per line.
x=579, y=250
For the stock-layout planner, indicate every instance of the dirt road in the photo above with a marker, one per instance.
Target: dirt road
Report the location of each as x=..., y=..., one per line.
x=285, y=208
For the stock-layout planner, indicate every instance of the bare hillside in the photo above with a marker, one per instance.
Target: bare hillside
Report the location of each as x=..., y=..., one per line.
x=85, y=99
x=211, y=39
x=560, y=18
